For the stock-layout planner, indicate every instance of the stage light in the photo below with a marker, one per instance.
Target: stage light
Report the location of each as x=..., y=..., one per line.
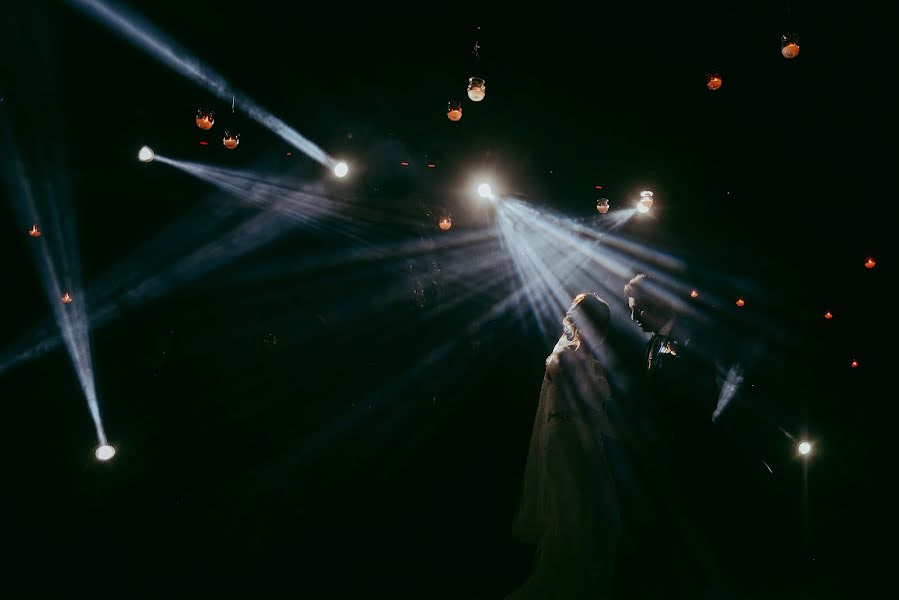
x=869, y=264
x=642, y=208
x=146, y=154
x=602, y=205
x=477, y=89
x=713, y=81
x=484, y=191
x=341, y=169
x=104, y=452
x=35, y=231
x=445, y=223
x=454, y=111
x=231, y=140
x=205, y=119
x=66, y=298
x=789, y=45
x=740, y=302
x=694, y=294
x=804, y=447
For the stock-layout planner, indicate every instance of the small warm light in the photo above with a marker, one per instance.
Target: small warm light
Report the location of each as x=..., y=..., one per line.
x=146, y=154
x=694, y=294
x=445, y=223
x=35, y=231
x=405, y=163
x=828, y=315
x=713, y=81
x=477, y=89
x=789, y=45
x=289, y=154
x=599, y=187
x=432, y=165
x=204, y=143
x=231, y=140
x=454, y=111
x=205, y=119
x=804, y=448
x=66, y=298
x=104, y=452
x=642, y=208
x=646, y=199
x=869, y=264
x=484, y=191
x=740, y=302
x=602, y=205
x=341, y=169
x=854, y=364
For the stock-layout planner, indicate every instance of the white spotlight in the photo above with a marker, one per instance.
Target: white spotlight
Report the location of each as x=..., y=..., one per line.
x=146, y=154
x=484, y=191
x=642, y=208
x=804, y=448
x=341, y=169
x=104, y=452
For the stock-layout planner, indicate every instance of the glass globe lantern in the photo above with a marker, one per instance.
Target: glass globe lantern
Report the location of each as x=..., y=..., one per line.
x=231, y=140
x=454, y=111
x=35, y=231
x=713, y=81
x=477, y=89
x=646, y=199
x=205, y=119
x=445, y=222
x=789, y=45
x=602, y=205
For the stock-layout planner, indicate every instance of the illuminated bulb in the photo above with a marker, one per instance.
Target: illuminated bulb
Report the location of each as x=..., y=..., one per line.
x=484, y=191
x=740, y=302
x=35, y=231
x=854, y=364
x=602, y=205
x=476, y=89
x=869, y=264
x=828, y=315
x=454, y=111
x=66, y=298
x=104, y=452
x=804, y=448
x=445, y=223
x=713, y=81
x=341, y=169
x=642, y=208
x=231, y=140
x=146, y=154
x=694, y=294
x=646, y=199
x=789, y=45
x=205, y=119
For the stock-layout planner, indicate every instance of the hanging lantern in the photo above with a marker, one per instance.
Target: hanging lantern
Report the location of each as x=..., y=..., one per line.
x=477, y=89
x=646, y=199
x=740, y=302
x=602, y=205
x=828, y=315
x=231, y=140
x=869, y=264
x=789, y=45
x=694, y=294
x=205, y=119
x=66, y=298
x=445, y=222
x=35, y=231
x=454, y=111
x=854, y=364
x=713, y=81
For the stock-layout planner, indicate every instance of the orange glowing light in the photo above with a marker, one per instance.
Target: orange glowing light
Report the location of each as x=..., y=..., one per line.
x=828, y=315
x=694, y=294
x=713, y=81
x=231, y=140
x=740, y=302
x=66, y=298
x=870, y=263
x=602, y=205
x=854, y=364
x=454, y=111
x=445, y=223
x=205, y=119
x=35, y=231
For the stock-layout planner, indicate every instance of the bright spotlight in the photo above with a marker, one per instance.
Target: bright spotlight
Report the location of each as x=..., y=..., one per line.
x=804, y=448
x=341, y=169
x=146, y=154
x=104, y=452
x=642, y=208
x=484, y=191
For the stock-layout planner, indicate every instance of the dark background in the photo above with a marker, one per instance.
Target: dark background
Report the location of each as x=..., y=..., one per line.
x=343, y=427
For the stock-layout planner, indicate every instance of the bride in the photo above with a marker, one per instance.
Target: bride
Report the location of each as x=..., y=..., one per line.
x=568, y=506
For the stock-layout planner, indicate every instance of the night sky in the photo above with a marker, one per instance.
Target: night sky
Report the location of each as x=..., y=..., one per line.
x=331, y=405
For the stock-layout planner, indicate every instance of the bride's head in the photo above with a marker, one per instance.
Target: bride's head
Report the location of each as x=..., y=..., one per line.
x=587, y=320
